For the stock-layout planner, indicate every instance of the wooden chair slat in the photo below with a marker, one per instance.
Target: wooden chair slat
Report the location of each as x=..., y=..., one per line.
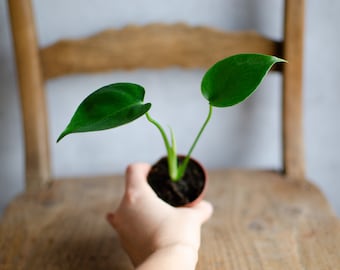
x=293, y=149
x=32, y=94
x=151, y=46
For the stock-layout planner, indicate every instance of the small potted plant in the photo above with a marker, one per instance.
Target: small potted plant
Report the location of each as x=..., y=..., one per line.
x=177, y=179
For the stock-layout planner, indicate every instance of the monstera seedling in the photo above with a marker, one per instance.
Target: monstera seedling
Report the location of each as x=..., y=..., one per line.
x=227, y=83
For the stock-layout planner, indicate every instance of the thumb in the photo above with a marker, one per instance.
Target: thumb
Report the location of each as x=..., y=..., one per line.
x=136, y=175
x=204, y=209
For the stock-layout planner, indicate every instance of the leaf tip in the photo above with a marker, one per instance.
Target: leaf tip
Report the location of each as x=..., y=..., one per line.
x=279, y=60
x=62, y=135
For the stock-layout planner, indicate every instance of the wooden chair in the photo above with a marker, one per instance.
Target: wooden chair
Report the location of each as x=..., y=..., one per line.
x=262, y=220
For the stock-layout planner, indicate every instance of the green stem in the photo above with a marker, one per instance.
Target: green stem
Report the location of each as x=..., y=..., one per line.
x=172, y=157
x=183, y=166
x=171, y=149
x=154, y=122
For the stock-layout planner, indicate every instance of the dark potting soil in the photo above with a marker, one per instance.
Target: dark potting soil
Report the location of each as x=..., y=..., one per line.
x=181, y=192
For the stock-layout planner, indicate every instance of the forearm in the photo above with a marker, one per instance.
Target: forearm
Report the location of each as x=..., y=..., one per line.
x=171, y=258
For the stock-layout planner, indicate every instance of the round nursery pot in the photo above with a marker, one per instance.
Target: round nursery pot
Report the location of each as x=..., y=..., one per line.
x=186, y=192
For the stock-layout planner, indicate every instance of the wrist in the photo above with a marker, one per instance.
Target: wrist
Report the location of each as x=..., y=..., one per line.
x=183, y=250
x=176, y=256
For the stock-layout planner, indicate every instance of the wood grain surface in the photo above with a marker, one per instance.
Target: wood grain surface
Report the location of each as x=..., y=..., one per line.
x=262, y=220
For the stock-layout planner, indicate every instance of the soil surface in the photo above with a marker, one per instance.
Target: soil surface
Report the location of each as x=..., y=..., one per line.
x=181, y=192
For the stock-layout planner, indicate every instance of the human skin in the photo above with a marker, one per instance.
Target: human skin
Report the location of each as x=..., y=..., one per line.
x=153, y=233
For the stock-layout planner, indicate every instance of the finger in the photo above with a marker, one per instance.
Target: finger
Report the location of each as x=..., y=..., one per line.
x=110, y=217
x=136, y=175
x=204, y=209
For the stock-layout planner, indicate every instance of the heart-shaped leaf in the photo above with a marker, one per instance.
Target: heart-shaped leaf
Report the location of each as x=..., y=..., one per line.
x=108, y=107
x=233, y=79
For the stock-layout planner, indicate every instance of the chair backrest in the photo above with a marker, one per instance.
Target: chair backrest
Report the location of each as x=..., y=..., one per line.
x=35, y=65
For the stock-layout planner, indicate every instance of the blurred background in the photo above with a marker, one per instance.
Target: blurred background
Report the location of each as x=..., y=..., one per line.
x=247, y=135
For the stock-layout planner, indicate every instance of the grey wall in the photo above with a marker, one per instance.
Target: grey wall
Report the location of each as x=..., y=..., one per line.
x=249, y=133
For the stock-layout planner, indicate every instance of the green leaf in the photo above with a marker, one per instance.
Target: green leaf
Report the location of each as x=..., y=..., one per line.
x=233, y=79
x=108, y=107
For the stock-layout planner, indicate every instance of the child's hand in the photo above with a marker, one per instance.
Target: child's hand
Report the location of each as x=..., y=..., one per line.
x=146, y=224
